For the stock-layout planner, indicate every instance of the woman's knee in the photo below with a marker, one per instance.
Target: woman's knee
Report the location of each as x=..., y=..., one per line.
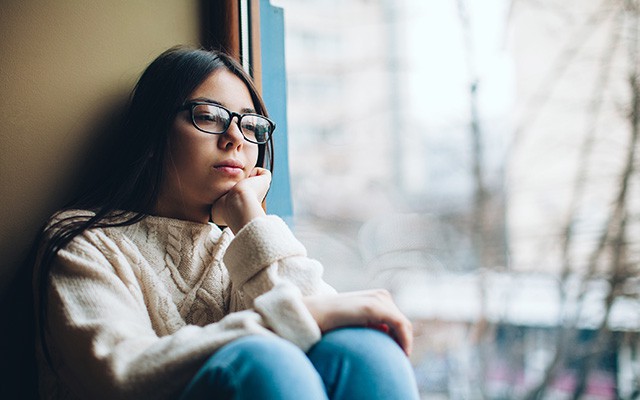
x=255, y=367
x=359, y=362
x=362, y=345
x=259, y=357
x=262, y=350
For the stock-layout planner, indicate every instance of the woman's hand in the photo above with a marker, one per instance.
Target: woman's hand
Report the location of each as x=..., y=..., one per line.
x=373, y=308
x=243, y=202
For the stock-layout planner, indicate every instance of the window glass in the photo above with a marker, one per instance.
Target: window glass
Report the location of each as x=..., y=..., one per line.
x=480, y=161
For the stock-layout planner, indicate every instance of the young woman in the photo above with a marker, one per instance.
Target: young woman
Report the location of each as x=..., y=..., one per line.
x=141, y=295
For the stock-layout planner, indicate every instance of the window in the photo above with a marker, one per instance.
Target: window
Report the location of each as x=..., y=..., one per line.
x=477, y=159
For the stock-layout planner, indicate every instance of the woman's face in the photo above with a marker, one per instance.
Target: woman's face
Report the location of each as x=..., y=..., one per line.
x=201, y=167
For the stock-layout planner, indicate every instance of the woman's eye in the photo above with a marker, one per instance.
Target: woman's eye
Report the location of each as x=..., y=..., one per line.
x=204, y=117
x=208, y=118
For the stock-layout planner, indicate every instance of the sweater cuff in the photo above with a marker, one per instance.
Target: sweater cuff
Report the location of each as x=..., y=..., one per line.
x=285, y=313
x=259, y=244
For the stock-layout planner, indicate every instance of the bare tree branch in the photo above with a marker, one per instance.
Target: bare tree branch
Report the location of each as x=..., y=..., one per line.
x=535, y=103
x=593, y=114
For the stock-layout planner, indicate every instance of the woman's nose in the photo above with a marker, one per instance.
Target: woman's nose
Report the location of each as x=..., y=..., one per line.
x=232, y=137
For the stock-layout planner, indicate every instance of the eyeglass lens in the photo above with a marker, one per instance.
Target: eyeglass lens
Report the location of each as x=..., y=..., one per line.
x=213, y=119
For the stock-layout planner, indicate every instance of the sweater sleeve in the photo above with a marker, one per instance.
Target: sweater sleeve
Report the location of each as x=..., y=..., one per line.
x=270, y=271
x=102, y=340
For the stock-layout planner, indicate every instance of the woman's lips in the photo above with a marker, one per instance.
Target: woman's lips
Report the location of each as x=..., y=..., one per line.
x=232, y=167
x=229, y=169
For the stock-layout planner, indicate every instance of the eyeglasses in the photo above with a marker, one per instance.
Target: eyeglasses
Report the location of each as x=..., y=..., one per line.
x=215, y=119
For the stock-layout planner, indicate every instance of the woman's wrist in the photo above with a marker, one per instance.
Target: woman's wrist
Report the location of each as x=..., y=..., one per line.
x=311, y=303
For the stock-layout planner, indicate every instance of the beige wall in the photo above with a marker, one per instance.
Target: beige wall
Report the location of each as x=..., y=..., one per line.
x=65, y=66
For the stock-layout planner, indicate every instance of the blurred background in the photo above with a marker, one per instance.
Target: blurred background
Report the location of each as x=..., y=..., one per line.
x=480, y=161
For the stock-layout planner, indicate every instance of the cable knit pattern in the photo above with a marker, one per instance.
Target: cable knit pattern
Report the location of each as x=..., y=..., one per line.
x=173, y=256
x=270, y=240
x=135, y=310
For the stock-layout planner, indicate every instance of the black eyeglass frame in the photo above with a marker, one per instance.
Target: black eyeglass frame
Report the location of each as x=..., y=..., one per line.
x=192, y=105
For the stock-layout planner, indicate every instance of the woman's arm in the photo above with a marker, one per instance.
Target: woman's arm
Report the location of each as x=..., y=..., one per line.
x=264, y=250
x=265, y=257
x=103, y=342
x=271, y=273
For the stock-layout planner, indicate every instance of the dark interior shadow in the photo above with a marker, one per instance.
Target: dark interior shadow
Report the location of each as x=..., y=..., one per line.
x=17, y=335
x=101, y=151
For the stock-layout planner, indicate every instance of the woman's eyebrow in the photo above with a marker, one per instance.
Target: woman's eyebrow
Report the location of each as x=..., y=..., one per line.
x=208, y=100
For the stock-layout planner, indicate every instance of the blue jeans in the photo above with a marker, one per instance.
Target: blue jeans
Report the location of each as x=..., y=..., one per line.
x=347, y=363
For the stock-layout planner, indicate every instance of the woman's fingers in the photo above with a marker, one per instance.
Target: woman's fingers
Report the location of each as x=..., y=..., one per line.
x=373, y=308
x=399, y=326
x=403, y=333
x=259, y=171
x=380, y=309
x=258, y=181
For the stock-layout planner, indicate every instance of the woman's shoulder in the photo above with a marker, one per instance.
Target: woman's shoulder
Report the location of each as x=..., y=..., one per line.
x=64, y=230
x=134, y=228
x=65, y=219
x=81, y=229
x=70, y=215
x=80, y=222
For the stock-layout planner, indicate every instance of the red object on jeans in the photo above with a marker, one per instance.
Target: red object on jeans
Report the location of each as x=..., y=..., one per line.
x=381, y=327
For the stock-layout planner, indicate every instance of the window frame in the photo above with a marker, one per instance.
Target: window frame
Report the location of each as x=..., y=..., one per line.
x=223, y=25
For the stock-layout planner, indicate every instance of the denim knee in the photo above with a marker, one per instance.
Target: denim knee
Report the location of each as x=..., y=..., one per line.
x=257, y=367
x=360, y=363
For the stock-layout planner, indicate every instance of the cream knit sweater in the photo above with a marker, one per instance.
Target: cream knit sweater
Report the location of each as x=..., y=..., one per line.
x=134, y=311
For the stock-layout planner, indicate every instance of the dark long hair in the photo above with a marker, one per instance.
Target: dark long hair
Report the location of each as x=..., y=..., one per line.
x=128, y=188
